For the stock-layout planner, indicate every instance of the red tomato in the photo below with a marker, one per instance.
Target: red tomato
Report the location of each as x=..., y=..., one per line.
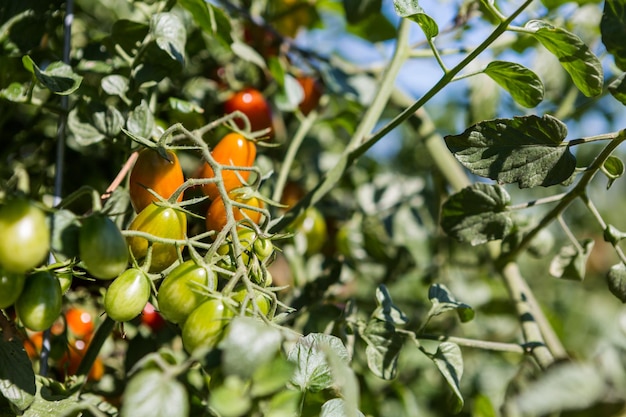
x=154, y=172
x=251, y=103
x=152, y=318
x=312, y=94
x=216, y=215
x=80, y=322
x=233, y=150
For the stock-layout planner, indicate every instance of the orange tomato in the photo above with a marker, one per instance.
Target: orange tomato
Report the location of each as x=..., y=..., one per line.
x=154, y=172
x=233, y=150
x=70, y=361
x=251, y=103
x=80, y=322
x=216, y=215
x=312, y=94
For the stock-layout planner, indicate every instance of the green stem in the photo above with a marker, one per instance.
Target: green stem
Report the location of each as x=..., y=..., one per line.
x=104, y=330
x=474, y=343
x=436, y=54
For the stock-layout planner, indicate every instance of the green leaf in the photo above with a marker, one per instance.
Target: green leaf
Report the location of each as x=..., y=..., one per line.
x=65, y=230
x=616, y=280
x=618, y=89
x=482, y=407
x=613, y=168
x=127, y=34
x=375, y=28
x=524, y=85
x=108, y=120
x=15, y=92
x=52, y=398
x=247, y=53
x=386, y=310
x=575, y=57
x=410, y=9
x=613, y=29
x=270, y=377
x=571, y=261
x=115, y=85
x=230, y=399
x=428, y=25
x=84, y=132
x=477, y=214
x=337, y=408
x=58, y=76
x=140, y=120
x=449, y=360
x=17, y=380
x=358, y=10
x=383, y=348
x=210, y=18
x=407, y=8
x=248, y=344
x=527, y=150
x=290, y=95
x=154, y=393
x=169, y=34
x=442, y=300
x=313, y=372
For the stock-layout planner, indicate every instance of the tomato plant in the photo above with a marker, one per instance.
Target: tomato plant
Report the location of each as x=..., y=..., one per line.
x=24, y=235
x=185, y=288
x=127, y=295
x=160, y=222
x=262, y=301
x=205, y=325
x=40, y=302
x=232, y=150
x=102, y=248
x=312, y=90
x=216, y=214
x=70, y=361
x=251, y=103
x=152, y=171
x=11, y=285
x=79, y=322
x=152, y=318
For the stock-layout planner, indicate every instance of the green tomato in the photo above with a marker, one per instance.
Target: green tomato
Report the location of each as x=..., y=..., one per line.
x=312, y=225
x=262, y=301
x=205, y=325
x=11, y=285
x=184, y=289
x=24, y=236
x=40, y=302
x=127, y=295
x=250, y=243
x=102, y=248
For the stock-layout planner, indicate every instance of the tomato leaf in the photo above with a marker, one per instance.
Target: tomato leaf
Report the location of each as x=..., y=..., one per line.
x=156, y=394
x=383, y=348
x=449, y=360
x=575, y=57
x=374, y=28
x=613, y=168
x=337, y=407
x=313, y=370
x=618, y=89
x=211, y=19
x=526, y=150
x=231, y=398
x=58, y=77
x=570, y=262
x=15, y=92
x=247, y=53
x=169, y=34
x=411, y=9
x=140, y=120
x=524, y=85
x=613, y=29
x=115, y=85
x=270, y=377
x=65, y=231
x=386, y=310
x=358, y=10
x=442, y=300
x=477, y=214
x=616, y=279
x=17, y=380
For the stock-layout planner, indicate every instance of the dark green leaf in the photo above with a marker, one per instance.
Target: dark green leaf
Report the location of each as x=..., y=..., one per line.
x=337, y=408
x=375, y=28
x=358, y=10
x=442, y=300
x=477, y=214
x=65, y=229
x=428, y=25
x=210, y=18
x=575, y=57
x=127, y=34
x=313, y=372
x=155, y=394
x=613, y=168
x=618, y=89
x=527, y=150
x=616, y=279
x=140, y=120
x=58, y=77
x=115, y=85
x=571, y=261
x=524, y=85
x=449, y=360
x=613, y=29
x=169, y=34
x=383, y=348
x=17, y=380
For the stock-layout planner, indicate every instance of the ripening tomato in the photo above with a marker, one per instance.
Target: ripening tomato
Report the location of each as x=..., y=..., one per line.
x=71, y=359
x=205, y=325
x=312, y=226
x=153, y=171
x=184, y=289
x=234, y=150
x=11, y=285
x=251, y=103
x=216, y=215
x=40, y=302
x=102, y=248
x=152, y=318
x=312, y=93
x=127, y=295
x=80, y=322
x=163, y=222
x=24, y=235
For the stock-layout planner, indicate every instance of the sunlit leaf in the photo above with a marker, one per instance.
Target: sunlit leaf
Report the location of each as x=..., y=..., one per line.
x=140, y=120
x=154, y=393
x=571, y=261
x=313, y=372
x=337, y=408
x=386, y=310
x=58, y=77
x=114, y=84
x=618, y=89
x=383, y=348
x=449, y=361
x=613, y=29
x=524, y=85
x=17, y=380
x=210, y=18
x=170, y=34
x=613, y=168
x=442, y=300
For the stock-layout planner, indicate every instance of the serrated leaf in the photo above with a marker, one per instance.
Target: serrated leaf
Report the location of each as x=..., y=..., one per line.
x=58, y=77
x=613, y=29
x=155, y=394
x=573, y=54
x=442, y=300
x=526, y=150
x=17, y=380
x=313, y=372
x=449, y=361
x=477, y=214
x=140, y=120
x=169, y=34
x=337, y=408
x=383, y=348
x=386, y=310
x=571, y=261
x=524, y=85
x=210, y=18
x=613, y=168
x=114, y=85
x=618, y=89
x=358, y=10
x=616, y=280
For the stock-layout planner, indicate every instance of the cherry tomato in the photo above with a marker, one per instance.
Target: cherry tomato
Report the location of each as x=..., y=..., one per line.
x=312, y=93
x=71, y=359
x=251, y=103
x=102, y=248
x=163, y=222
x=79, y=322
x=184, y=289
x=216, y=215
x=312, y=225
x=205, y=325
x=250, y=243
x=152, y=318
x=24, y=235
x=40, y=302
x=127, y=295
x=154, y=172
x=11, y=285
x=292, y=194
x=233, y=150
x=262, y=301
